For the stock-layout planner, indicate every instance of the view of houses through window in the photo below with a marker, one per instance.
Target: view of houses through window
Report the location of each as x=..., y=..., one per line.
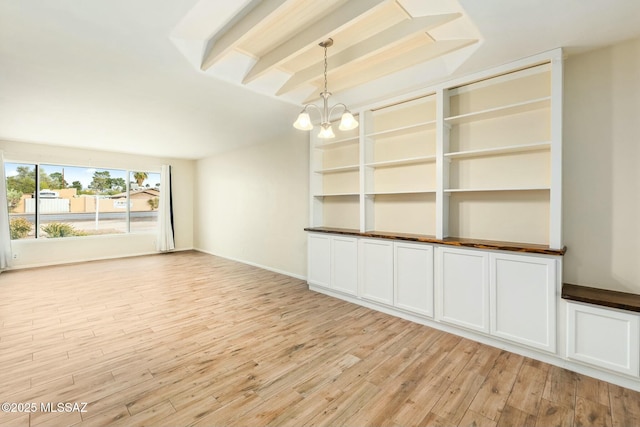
x=79, y=201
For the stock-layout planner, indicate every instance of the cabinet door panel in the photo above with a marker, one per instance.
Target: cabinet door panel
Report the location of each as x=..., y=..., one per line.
x=463, y=288
x=414, y=278
x=523, y=299
x=319, y=264
x=604, y=338
x=344, y=264
x=376, y=270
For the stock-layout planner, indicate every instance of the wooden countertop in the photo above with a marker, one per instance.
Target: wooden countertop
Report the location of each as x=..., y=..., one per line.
x=603, y=297
x=451, y=241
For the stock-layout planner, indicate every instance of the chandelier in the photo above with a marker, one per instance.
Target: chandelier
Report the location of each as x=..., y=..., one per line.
x=348, y=122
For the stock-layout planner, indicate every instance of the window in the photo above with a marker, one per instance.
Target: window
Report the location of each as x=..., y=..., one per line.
x=144, y=196
x=76, y=201
x=21, y=185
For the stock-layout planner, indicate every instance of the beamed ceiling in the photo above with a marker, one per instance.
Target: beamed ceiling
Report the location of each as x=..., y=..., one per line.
x=272, y=46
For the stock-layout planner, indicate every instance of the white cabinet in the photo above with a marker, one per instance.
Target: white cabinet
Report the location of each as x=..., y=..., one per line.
x=319, y=259
x=376, y=270
x=333, y=262
x=463, y=288
x=344, y=264
x=605, y=338
x=398, y=274
x=413, y=275
x=383, y=271
x=523, y=299
x=508, y=296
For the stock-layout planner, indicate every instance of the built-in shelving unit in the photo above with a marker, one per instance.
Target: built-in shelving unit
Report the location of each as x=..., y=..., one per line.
x=399, y=165
x=498, y=177
x=475, y=158
x=335, y=180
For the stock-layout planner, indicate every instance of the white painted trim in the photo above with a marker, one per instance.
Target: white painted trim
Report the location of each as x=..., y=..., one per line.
x=555, y=197
x=51, y=264
x=253, y=264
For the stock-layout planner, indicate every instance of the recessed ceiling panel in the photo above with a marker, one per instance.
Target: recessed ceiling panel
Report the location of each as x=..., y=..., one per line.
x=289, y=20
x=371, y=39
x=382, y=18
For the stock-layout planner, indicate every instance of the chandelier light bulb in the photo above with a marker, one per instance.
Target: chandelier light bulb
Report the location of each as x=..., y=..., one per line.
x=348, y=122
x=326, y=132
x=303, y=122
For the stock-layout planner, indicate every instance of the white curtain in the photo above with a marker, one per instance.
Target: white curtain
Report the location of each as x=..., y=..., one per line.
x=165, y=242
x=5, y=236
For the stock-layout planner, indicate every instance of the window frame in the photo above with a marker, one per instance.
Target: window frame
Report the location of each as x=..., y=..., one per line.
x=39, y=235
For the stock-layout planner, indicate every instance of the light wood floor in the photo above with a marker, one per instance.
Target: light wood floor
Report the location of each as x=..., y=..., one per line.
x=188, y=338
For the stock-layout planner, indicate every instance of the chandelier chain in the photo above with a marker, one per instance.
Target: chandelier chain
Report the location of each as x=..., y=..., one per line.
x=325, y=68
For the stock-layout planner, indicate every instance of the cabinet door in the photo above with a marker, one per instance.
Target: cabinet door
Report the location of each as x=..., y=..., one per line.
x=376, y=270
x=413, y=271
x=523, y=299
x=463, y=285
x=603, y=337
x=319, y=261
x=344, y=264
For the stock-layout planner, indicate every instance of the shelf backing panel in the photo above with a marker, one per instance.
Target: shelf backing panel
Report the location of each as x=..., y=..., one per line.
x=415, y=177
x=500, y=91
x=405, y=114
x=410, y=144
x=527, y=169
x=535, y=126
x=405, y=213
x=510, y=216
x=341, y=211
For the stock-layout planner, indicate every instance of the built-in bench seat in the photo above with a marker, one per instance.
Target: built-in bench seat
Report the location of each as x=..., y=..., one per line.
x=602, y=297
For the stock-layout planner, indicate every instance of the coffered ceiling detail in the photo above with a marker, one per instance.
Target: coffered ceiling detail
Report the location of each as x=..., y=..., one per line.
x=272, y=46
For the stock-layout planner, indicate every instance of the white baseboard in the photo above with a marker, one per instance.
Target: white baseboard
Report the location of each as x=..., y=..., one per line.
x=264, y=267
x=69, y=262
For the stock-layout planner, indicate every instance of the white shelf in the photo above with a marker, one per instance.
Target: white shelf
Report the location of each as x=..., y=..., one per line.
x=402, y=162
x=404, y=130
x=348, y=168
x=536, y=146
x=339, y=142
x=472, y=190
x=504, y=110
x=336, y=194
x=381, y=193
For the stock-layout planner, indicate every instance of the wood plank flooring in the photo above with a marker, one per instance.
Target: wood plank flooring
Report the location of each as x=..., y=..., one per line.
x=191, y=339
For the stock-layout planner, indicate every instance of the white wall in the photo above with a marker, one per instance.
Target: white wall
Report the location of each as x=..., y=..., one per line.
x=252, y=204
x=601, y=163
x=56, y=251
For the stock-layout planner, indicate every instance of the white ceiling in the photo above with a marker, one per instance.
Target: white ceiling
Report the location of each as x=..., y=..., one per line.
x=124, y=75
